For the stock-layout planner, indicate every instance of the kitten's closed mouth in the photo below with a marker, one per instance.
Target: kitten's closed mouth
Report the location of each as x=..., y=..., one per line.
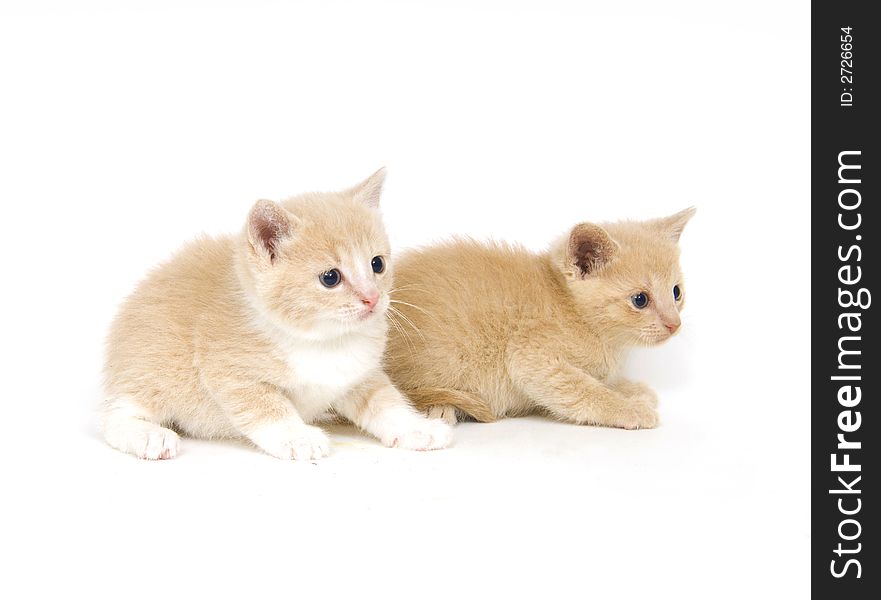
x=366, y=314
x=362, y=315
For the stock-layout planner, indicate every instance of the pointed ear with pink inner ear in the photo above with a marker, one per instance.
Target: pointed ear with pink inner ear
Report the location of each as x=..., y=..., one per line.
x=269, y=225
x=673, y=225
x=370, y=190
x=590, y=247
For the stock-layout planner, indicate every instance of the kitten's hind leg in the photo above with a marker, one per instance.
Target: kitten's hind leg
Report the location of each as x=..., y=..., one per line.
x=444, y=412
x=129, y=427
x=445, y=403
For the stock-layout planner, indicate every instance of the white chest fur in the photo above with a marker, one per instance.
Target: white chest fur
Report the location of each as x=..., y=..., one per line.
x=320, y=367
x=321, y=371
x=331, y=365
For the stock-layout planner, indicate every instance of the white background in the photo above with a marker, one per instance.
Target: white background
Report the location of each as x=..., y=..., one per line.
x=127, y=128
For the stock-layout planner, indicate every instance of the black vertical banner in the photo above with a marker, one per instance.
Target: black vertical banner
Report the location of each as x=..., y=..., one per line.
x=846, y=372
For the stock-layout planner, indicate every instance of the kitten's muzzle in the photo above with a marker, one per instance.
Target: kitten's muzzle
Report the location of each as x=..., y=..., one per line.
x=370, y=300
x=369, y=304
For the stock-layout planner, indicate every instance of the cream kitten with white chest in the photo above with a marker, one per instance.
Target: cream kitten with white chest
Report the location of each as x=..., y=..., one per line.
x=262, y=334
x=495, y=330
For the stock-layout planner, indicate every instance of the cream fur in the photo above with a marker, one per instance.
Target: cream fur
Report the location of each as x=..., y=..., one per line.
x=494, y=330
x=236, y=337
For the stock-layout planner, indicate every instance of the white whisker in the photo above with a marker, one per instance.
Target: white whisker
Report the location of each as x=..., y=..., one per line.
x=408, y=321
x=419, y=308
x=400, y=330
x=410, y=286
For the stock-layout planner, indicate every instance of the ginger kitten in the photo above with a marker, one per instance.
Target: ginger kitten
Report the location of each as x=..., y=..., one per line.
x=261, y=334
x=494, y=330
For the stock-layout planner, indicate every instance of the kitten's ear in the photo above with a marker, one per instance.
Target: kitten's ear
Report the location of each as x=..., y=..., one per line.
x=268, y=226
x=673, y=225
x=369, y=190
x=590, y=247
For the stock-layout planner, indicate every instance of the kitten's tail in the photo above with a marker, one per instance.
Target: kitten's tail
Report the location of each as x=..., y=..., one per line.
x=468, y=402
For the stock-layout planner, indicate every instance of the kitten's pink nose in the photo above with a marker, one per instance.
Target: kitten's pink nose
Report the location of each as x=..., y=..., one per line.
x=370, y=299
x=672, y=327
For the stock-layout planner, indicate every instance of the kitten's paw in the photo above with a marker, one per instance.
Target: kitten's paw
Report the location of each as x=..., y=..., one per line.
x=639, y=392
x=636, y=413
x=444, y=412
x=292, y=442
x=426, y=434
x=143, y=439
x=159, y=444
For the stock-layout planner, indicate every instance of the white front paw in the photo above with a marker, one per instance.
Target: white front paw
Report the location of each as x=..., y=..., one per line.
x=297, y=442
x=424, y=434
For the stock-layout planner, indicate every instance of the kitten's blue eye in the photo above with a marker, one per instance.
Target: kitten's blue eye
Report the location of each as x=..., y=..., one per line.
x=640, y=300
x=378, y=264
x=677, y=293
x=330, y=278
